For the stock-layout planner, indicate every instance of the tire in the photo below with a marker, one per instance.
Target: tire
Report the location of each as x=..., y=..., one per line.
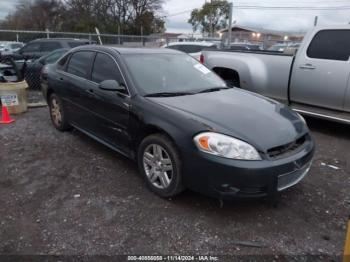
x=159, y=178
x=57, y=113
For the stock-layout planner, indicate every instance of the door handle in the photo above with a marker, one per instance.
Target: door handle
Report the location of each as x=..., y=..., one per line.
x=307, y=66
x=90, y=92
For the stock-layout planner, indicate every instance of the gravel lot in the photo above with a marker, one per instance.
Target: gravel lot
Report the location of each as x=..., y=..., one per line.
x=63, y=193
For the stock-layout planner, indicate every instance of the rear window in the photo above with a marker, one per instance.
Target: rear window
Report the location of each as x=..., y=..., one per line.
x=50, y=46
x=330, y=45
x=63, y=62
x=52, y=58
x=31, y=47
x=80, y=63
x=77, y=43
x=188, y=48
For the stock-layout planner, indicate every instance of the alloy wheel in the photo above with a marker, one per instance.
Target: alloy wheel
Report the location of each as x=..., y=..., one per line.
x=158, y=166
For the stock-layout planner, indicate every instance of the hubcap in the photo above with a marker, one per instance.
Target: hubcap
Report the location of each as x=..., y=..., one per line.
x=158, y=166
x=56, y=112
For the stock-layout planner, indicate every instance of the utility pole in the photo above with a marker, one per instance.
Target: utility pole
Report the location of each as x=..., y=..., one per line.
x=229, y=31
x=119, y=34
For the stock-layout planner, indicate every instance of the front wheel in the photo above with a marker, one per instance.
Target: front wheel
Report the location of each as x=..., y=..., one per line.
x=159, y=163
x=58, y=116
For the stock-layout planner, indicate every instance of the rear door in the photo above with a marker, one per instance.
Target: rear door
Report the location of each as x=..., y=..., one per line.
x=75, y=87
x=321, y=71
x=109, y=110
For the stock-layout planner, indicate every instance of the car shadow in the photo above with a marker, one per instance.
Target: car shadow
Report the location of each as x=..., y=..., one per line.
x=328, y=127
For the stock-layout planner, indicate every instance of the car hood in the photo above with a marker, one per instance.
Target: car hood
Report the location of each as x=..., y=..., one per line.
x=260, y=121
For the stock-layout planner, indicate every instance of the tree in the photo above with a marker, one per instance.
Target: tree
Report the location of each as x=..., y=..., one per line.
x=84, y=15
x=35, y=15
x=211, y=17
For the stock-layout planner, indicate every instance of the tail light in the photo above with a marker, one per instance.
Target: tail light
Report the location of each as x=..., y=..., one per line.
x=201, y=59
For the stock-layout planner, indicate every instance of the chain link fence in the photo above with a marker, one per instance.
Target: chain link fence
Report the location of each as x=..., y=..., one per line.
x=29, y=71
x=106, y=39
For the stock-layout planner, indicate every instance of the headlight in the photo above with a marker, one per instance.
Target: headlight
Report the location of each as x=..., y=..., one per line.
x=225, y=146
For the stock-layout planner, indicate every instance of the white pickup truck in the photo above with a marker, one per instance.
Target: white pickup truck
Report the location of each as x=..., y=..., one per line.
x=316, y=81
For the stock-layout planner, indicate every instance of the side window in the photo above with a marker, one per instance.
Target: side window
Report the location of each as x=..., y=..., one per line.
x=34, y=47
x=105, y=69
x=50, y=46
x=330, y=45
x=79, y=64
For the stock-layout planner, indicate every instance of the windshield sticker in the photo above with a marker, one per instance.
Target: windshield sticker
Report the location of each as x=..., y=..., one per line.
x=202, y=68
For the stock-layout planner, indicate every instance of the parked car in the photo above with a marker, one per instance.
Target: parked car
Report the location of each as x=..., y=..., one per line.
x=33, y=70
x=292, y=48
x=194, y=49
x=8, y=48
x=244, y=47
x=314, y=82
x=179, y=121
x=278, y=48
x=41, y=47
x=7, y=73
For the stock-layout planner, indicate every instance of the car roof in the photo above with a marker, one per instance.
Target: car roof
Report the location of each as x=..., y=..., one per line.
x=191, y=43
x=61, y=39
x=128, y=50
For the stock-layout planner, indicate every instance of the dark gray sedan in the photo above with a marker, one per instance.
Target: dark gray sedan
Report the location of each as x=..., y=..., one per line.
x=179, y=121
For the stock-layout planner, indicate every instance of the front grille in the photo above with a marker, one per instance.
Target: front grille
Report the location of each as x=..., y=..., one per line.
x=289, y=148
x=290, y=179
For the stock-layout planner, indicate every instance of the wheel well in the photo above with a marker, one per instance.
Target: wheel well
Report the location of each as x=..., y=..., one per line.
x=230, y=76
x=150, y=130
x=49, y=93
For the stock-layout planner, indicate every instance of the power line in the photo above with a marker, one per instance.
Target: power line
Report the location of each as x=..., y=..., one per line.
x=260, y=7
x=338, y=8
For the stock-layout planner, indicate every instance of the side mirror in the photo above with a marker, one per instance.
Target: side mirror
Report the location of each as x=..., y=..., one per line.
x=42, y=61
x=111, y=85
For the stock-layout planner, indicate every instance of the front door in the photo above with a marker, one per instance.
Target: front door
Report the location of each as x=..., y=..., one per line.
x=109, y=110
x=321, y=71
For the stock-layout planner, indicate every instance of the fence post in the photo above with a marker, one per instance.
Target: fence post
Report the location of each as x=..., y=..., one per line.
x=47, y=33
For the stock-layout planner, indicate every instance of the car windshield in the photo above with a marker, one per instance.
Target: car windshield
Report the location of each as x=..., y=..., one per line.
x=170, y=73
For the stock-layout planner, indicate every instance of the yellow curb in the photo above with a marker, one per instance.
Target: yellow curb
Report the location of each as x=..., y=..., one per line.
x=347, y=245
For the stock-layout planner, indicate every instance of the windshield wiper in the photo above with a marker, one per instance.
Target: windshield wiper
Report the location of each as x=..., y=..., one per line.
x=213, y=89
x=168, y=94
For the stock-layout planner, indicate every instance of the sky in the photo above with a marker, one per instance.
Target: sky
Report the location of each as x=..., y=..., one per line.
x=280, y=20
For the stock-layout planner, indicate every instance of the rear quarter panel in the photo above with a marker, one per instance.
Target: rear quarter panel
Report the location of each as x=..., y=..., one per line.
x=265, y=74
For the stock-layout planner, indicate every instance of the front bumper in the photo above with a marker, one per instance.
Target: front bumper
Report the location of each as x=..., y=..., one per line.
x=228, y=178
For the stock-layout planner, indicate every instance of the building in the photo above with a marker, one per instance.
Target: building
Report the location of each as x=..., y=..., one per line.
x=265, y=37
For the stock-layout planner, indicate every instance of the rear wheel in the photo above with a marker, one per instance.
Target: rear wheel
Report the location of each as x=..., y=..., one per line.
x=58, y=116
x=159, y=163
